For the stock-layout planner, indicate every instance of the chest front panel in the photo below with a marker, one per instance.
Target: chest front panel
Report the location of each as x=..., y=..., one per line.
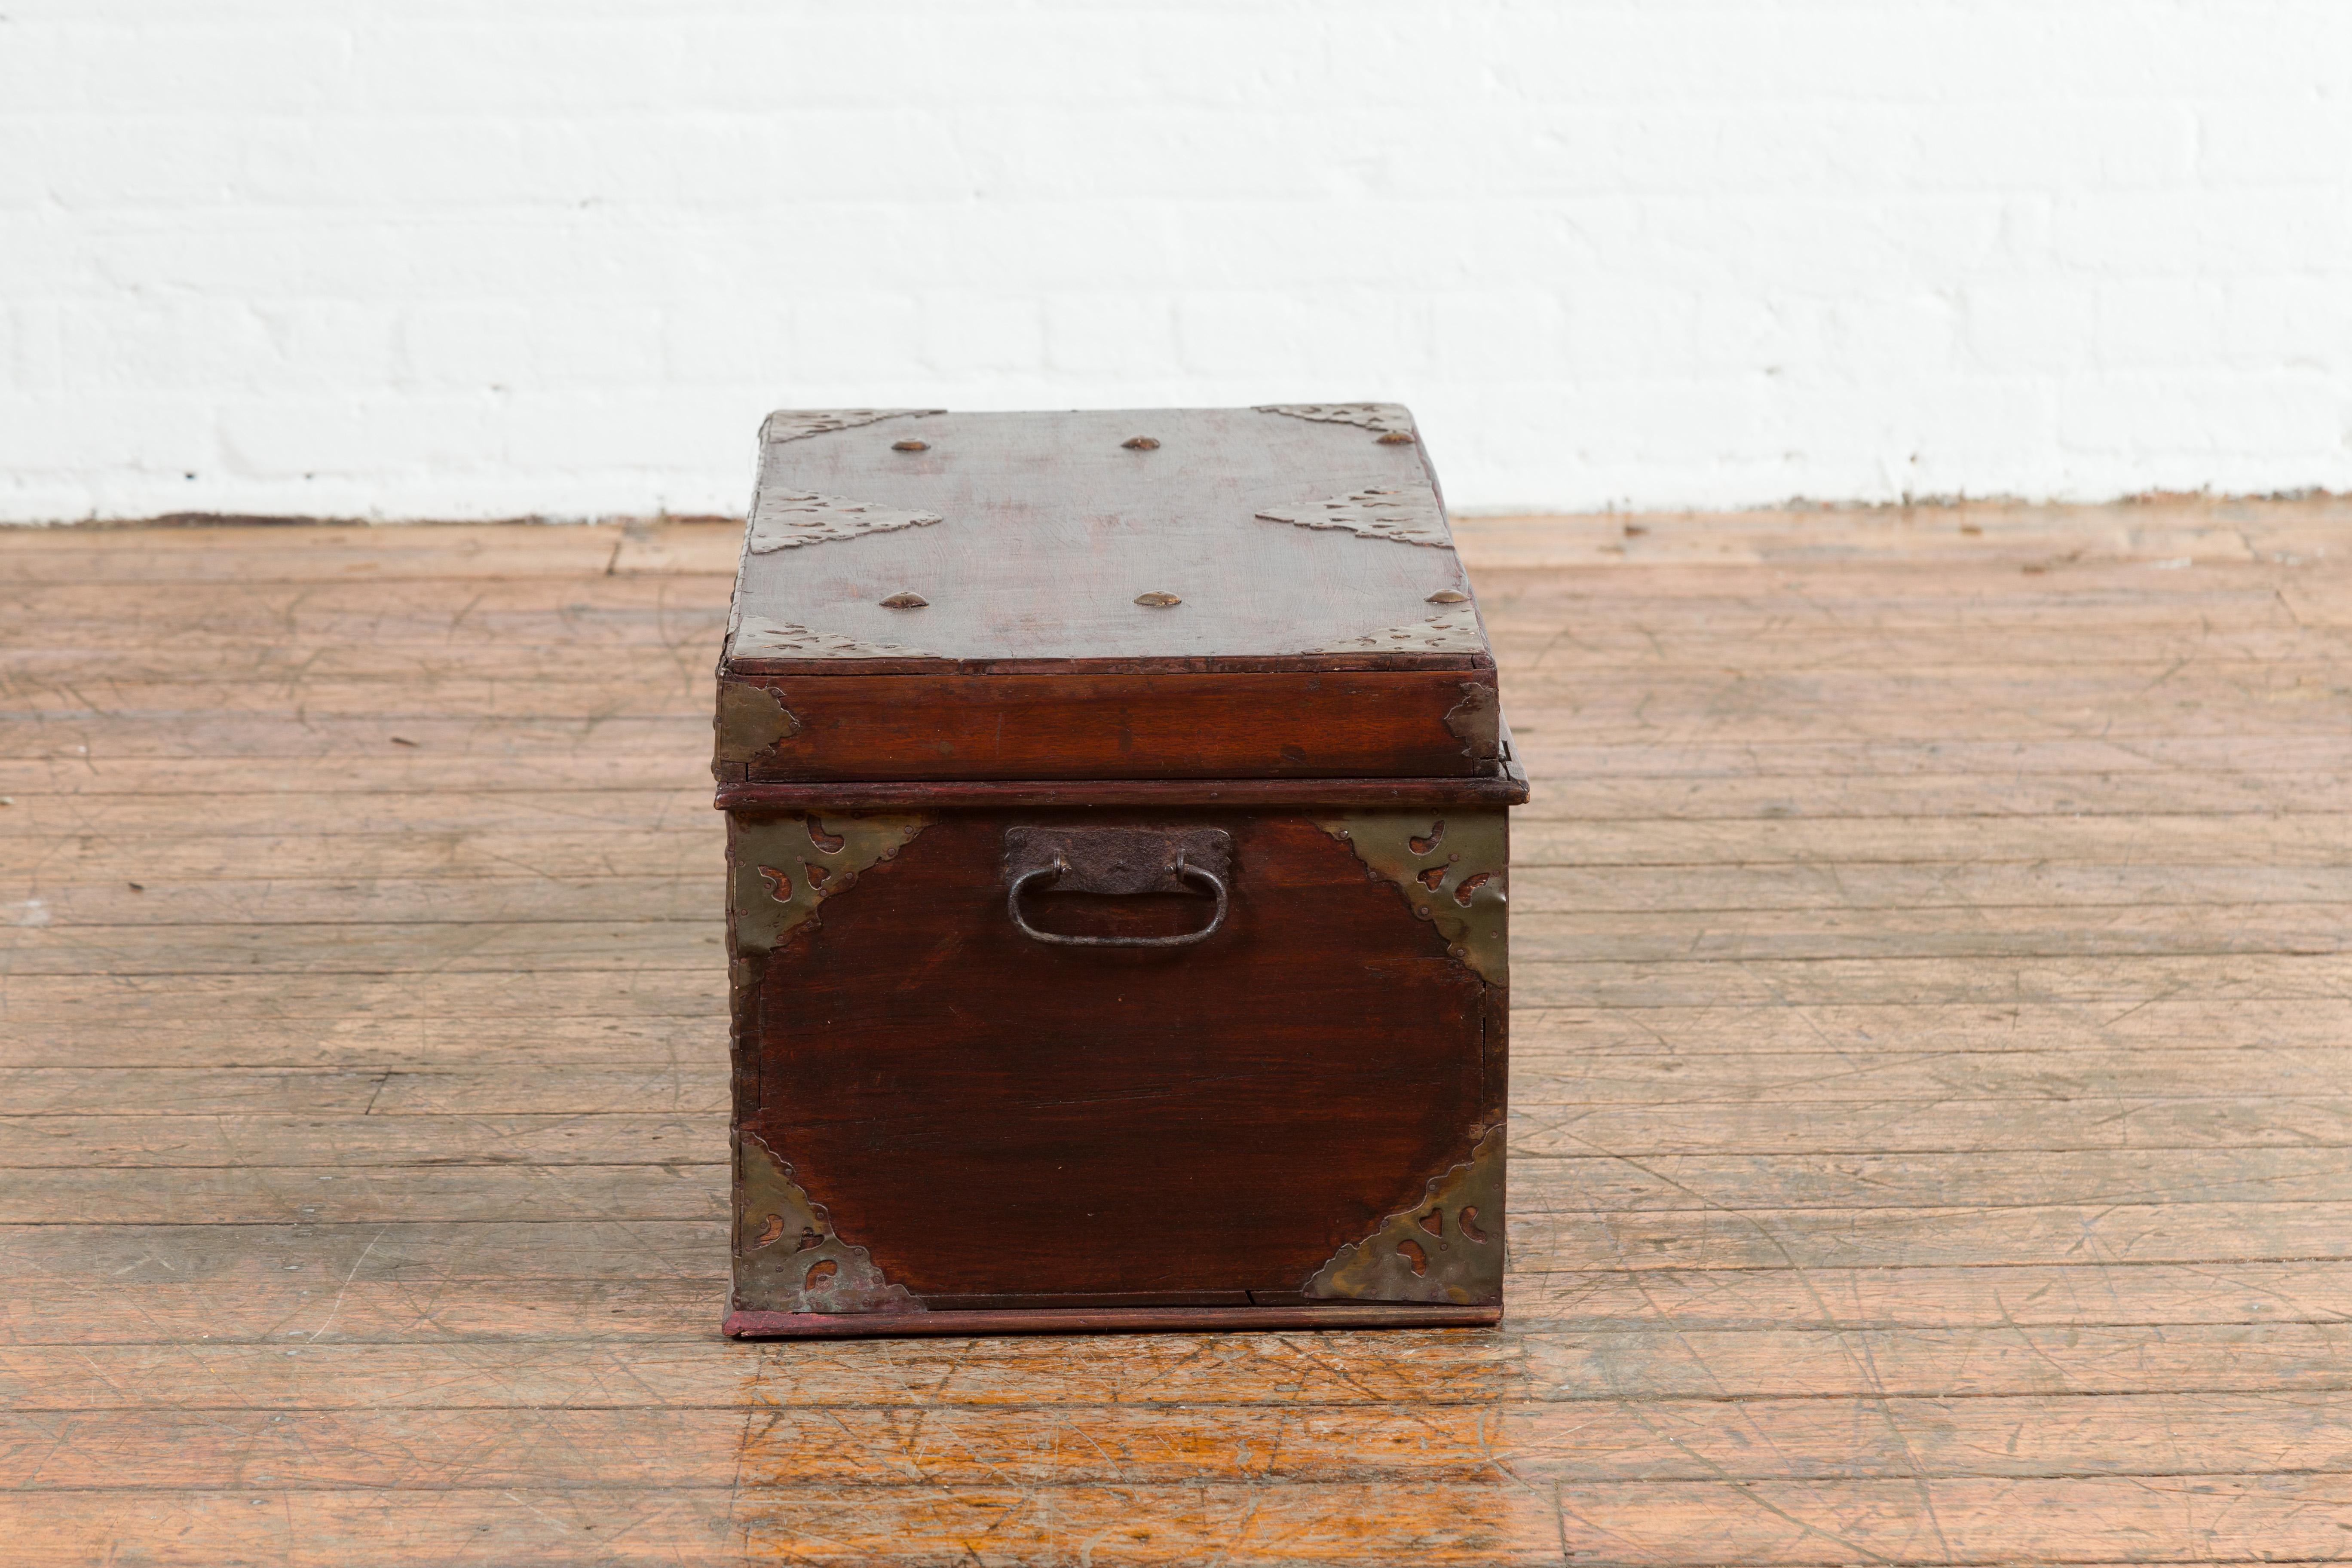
x=998, y=1119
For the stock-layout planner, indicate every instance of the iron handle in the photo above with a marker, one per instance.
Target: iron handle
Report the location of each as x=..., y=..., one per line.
x=1054, y=871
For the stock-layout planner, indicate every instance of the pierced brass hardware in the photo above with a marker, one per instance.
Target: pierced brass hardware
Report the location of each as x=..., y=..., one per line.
x=1390, y=417
x=792, y=520
x=786, y=866
x=800, y=424
x=1407, y=517
x=788, y=1258
x=1453, y=870
x=1454, y=629
x=1477, y=721
x=1446, y=1247
x=751, y=718
x=760, y=637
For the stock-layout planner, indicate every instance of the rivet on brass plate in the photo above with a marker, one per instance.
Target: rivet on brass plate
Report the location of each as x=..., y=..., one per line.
x=910, y=445
x=1447, y=597
x=1141, y=443
x=1158, y=601
x=905, y=599
x=1397, y=439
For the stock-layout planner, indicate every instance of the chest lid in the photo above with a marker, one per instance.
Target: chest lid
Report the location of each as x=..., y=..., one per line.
x=1162, y=592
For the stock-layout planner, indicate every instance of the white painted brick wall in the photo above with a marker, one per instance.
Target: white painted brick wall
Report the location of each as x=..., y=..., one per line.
x=432, y=259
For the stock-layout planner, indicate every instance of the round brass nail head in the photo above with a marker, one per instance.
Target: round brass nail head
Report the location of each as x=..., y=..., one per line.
x=1447, y=597
x=1157, y=601
x=905, y=599
x=910, y=445
x=1397, y=439
x=1141, y=443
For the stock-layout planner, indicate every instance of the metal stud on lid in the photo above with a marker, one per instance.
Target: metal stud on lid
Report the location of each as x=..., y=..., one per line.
x=910, y=445
x=1397, y=439
x=1141, y=443
x=905, y=599
x=1158, y=601
x=1447, y=597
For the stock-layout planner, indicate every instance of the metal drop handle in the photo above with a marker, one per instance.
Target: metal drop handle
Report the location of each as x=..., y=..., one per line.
x=1053, y=873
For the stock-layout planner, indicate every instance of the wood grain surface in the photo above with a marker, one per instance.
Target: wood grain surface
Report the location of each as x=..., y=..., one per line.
x=1932, y=1137
x=1136, y=725
x=1219, y=1119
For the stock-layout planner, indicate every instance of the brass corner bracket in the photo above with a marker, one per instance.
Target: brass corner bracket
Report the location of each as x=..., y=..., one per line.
x=1453, y=870
x=1446, y=1247
x=751, y=718
x=788, y=1258
x=1477, y=721
x=783, y=869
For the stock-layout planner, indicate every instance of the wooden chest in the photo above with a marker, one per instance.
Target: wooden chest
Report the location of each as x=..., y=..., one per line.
x=1116, y=868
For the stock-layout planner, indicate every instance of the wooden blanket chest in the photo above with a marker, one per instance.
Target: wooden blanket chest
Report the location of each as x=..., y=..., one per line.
x=1117, y=853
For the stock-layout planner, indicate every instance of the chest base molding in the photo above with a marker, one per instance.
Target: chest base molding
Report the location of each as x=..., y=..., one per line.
x=1102, y=1320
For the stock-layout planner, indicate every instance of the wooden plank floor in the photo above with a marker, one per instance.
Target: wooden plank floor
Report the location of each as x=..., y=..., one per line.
x=1933, y=1138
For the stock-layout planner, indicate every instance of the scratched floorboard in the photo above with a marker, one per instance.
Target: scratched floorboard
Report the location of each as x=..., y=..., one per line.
x=1933, y=1137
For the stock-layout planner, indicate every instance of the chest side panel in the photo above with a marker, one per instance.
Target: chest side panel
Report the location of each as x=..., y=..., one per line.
x=997, y=1120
